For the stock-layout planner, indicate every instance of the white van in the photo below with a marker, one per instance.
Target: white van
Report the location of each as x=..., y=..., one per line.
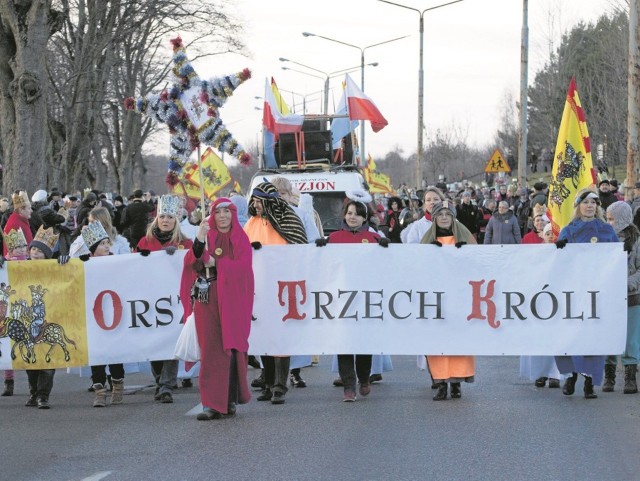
x=327, y=186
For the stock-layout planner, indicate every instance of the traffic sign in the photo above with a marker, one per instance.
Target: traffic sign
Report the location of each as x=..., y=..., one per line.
x=497, y=163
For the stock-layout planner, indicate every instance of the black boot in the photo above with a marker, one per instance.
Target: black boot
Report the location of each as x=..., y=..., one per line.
x=588, y=388
x=441, y=393
x=8, y=388
x=609, y=377
x=259, y=381
x=630, y=385
x=456, y=393
x=296, y=379
x=570, y=385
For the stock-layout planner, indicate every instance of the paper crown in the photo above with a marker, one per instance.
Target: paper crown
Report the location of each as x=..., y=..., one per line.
x=94, y=233
x=20, y=199
x=14, y=238
x=170, y=205
x=45, y=240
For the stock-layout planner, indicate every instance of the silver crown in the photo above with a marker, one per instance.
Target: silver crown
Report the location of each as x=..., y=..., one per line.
x=170, y=205
x=94, y=233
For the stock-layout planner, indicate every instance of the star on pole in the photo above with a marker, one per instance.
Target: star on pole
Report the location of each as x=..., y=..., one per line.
x=190, y=110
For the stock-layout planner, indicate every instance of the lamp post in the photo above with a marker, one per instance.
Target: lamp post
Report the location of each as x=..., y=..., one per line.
x=326, y=77
x=362, y=64
x=420, y=84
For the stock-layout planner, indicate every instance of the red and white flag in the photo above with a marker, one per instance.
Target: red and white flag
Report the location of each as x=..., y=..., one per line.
x=273, y=119
x=362, y=107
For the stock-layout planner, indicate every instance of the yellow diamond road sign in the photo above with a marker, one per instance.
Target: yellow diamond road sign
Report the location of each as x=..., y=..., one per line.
x=497, y=163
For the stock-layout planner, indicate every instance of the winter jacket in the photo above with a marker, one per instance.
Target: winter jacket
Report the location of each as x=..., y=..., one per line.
x=502, y=229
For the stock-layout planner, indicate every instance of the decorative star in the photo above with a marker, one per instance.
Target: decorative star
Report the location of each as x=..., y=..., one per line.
x=190, y=110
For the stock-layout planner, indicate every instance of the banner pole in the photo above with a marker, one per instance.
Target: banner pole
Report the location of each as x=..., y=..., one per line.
x=203, y=207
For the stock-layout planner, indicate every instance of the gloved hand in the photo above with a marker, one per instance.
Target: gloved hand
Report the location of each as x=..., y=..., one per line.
x=436, y=243
x=144, y=252
x=62, y=260
x=85, y=257
x=383, y=242
x=321, y=242
x=170, y=250
x=256, y=245
x=561, y=243
x=460, y=244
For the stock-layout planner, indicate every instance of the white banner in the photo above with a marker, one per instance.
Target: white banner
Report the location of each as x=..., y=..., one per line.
x=406, y=299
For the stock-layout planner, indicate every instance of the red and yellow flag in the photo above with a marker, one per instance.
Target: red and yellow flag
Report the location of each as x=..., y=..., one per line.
x=215, y=174
x=378, y=183
x=572, y=166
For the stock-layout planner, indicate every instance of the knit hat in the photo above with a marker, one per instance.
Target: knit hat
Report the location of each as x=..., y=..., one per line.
x=622, y=215
x=93, y=234
x=444, y=205
x=14, y=238
x=21, y=199
x=586, y=194
x=169, y=205
x=45, y=240
x=39, y=196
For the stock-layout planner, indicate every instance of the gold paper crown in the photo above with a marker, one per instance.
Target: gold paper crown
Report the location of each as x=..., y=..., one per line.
x=170, y=205
x=20, y=200
x=94, y=233
x=539, y=209
x=45, y=240
x=14, y=238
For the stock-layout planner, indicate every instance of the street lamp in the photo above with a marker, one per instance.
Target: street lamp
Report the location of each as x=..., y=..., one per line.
x=362, y=49
x=420, y=83
x=326, y=76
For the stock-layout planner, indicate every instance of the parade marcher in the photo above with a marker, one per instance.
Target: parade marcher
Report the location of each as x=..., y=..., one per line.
x=118, y=244
x=97, y=240
x=587, y=226
x=414, y=233
x=619, y=216
x=118, y=212
x=38, y=201
x=222, y=322
x=41, y=380
x=71, y=204
x=16, y=244
x=468, y=213
x=635, y=203
x=273, y=222
x=535, y=236
x=89, y=202
x=135, y=218
x=164, y=234
x=355, y=230
x=446, y=230
x=19, y=218
x=57, y=221
x=604, y=193
x=486, y=211
x=503, y=226
x=392, y=220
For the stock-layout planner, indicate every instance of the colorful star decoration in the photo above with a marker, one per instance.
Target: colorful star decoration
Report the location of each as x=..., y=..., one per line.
x=190, y=110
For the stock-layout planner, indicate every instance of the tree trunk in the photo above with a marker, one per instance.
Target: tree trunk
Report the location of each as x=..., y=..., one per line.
x=633, y=116
x=23, y=107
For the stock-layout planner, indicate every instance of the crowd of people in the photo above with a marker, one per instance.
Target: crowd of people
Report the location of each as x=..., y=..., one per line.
x=218, y=278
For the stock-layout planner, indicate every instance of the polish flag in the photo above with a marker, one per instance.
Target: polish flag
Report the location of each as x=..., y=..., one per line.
x=273, y=120
x=362, y=107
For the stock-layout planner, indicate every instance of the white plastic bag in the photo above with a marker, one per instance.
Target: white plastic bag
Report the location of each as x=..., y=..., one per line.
x=187, y=347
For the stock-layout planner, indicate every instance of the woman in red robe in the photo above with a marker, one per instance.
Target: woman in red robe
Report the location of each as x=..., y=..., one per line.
x=223, y=314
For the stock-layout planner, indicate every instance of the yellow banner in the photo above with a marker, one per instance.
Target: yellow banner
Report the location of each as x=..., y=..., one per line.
x=215, y=174
x=572, y=167
x=44, y=304
x=185, y=188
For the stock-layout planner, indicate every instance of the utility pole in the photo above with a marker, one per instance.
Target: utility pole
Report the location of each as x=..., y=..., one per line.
x=524, y=67
x=633, y=99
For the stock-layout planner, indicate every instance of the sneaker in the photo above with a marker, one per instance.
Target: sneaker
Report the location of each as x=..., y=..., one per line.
x=258, y=382
x=166, y=398
x=297, y=381
x=265, y=395
x=365, y=389
x=349, y=397
x=278, y=398
x=187, y=383
x=375, y=378
x=208, y=415
x=540, y=382
x=554, y=383
x=43, y=403
x=32, y=401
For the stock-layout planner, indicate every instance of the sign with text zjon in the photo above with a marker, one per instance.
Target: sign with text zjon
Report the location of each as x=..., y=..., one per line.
x=405, y=299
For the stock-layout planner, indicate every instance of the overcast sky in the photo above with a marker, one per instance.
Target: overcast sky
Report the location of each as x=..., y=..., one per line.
x=471, y=60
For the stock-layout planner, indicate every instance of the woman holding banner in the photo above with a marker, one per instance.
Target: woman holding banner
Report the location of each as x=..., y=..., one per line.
x=164, y=234
x=620, y=217
x=446, y=230
x=222, y=301
x=273, y=222
x=587, y=225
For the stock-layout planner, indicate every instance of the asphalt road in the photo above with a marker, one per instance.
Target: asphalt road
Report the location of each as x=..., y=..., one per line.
x=503, y=428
